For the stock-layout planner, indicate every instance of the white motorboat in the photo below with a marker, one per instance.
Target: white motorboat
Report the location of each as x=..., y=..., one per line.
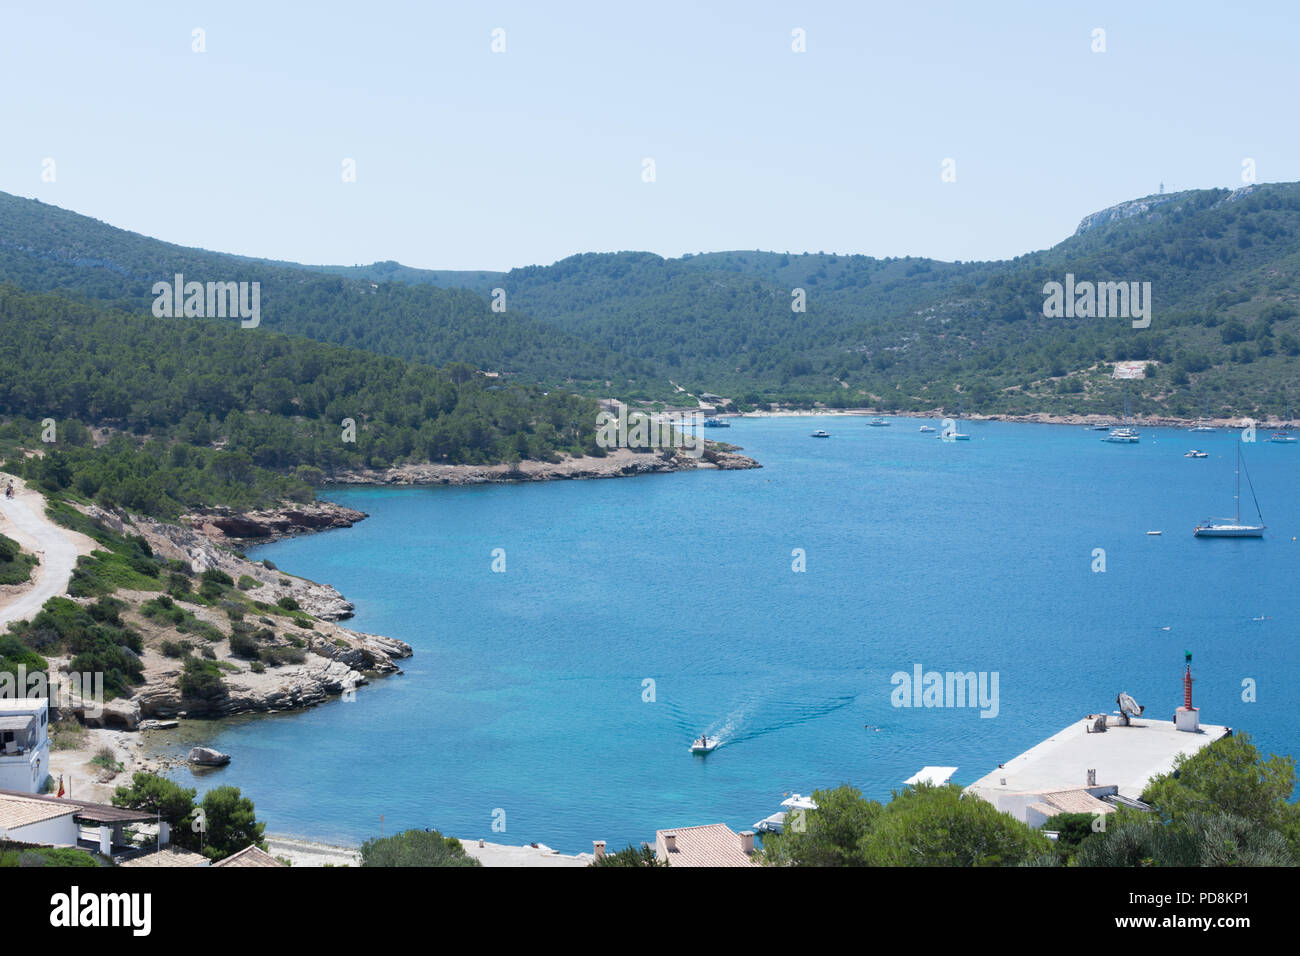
x=703, y=745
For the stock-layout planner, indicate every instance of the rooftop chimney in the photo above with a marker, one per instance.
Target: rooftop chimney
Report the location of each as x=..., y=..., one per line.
x=1187, y=717
x=1092, y=778
x=598, y=848
x=747, y=842
x=670, y=842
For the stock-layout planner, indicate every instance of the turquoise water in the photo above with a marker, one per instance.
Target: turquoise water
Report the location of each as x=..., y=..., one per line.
x=525, y=694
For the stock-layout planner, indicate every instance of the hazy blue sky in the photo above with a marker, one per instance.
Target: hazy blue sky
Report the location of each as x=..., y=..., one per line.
x=467, y=158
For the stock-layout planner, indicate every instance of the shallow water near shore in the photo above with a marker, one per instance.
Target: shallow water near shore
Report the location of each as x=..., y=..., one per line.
x=526, y=703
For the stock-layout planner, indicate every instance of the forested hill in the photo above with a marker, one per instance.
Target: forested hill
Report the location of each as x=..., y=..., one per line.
x=907, y=334
x=208, y=413
x=47, y=249
x=1224, y=269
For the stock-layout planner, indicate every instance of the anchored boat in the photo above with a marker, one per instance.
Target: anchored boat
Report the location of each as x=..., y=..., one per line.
x=1222, y=527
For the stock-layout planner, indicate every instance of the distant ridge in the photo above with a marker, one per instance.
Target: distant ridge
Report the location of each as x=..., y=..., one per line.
x=905, y=333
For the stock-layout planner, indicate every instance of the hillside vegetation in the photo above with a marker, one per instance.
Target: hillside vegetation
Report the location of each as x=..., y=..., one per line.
x=905, y=334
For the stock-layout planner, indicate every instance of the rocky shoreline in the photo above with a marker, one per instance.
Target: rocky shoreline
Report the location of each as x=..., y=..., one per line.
x=618, y=463
x=320, y=659
x=228, y=525
x=335, y=661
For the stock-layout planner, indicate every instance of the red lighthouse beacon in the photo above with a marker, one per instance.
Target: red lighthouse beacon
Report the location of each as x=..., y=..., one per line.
x=1187, y=717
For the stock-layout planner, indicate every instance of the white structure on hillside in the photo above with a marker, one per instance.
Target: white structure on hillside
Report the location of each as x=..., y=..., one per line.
x=24, y=743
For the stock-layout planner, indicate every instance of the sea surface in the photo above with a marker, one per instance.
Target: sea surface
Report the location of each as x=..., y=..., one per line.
x=559, y=699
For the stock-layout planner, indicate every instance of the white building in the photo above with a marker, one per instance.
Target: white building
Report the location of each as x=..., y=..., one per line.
x=42, y=820
x=24, y=743
x=1078, y=770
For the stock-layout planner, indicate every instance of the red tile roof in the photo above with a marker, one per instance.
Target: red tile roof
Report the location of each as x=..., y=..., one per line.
x=711, y=845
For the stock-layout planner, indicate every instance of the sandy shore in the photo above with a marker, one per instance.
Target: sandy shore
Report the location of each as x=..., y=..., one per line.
x=308, y=853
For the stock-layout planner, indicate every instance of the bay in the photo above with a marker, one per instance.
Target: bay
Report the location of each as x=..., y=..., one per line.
x=527, y=705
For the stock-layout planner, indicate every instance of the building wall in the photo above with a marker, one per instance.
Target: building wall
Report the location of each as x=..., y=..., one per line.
x=26, y=774
x=61, y=831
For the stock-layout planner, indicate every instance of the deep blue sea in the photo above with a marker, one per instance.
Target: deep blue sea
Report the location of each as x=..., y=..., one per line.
x=527, y=690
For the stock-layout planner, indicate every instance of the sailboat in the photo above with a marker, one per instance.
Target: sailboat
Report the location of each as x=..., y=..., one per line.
x=1221, y=527
x=951, y=432
x=1203, y=424
x=1282, y=437
x=1126, y=435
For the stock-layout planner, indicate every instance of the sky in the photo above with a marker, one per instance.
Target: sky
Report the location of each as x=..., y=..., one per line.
x=469, y=158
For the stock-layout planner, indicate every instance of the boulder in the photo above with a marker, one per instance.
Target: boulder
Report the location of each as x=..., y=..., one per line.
x=207, y=757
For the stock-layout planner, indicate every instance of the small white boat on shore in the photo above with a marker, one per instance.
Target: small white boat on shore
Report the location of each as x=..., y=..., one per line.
x=796, y=803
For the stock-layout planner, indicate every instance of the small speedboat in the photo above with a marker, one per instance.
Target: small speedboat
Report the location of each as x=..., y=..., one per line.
x=878, y=423
x=927, y=428
x=1282, y=438
x=703, y=745
x=716, y=423
x=1155, y=532
x=1197, y=454
x=819, y=433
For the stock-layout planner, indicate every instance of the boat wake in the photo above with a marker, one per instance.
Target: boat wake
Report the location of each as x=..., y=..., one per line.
x=758, y=718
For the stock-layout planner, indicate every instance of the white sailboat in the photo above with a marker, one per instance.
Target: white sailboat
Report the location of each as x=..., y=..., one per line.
x=1127, y=435
x=1225, y=528
x=1203, y=424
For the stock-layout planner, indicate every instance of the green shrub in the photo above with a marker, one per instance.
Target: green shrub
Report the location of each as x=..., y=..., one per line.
x=89, y=636
x=217, y=576
x=201, y=680
x=275, y=656
x=247, y=583
x=243, y=645
x=416, y=848
x=15, y=564
x=287, y=603
x=174, y=648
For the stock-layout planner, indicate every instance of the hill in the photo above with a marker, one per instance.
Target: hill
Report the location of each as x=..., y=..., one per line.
x=895, y=333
